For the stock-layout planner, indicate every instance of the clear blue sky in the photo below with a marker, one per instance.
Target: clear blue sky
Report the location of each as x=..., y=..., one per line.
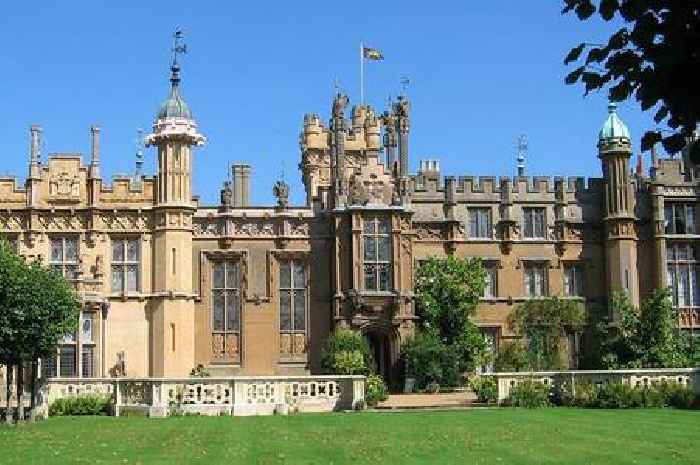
x=481, y=72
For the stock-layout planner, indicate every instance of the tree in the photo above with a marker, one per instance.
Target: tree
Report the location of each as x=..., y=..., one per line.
x=447, y=343
x=654, y=56
x=648, y=337
x=544, y=323
x=38, y=307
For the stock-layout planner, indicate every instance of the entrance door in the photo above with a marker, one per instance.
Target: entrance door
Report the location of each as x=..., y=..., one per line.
x=379, y=346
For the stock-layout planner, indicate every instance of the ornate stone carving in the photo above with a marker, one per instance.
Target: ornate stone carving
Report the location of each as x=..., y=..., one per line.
x=429, y=232
x=11, y=222
x=208, y=227
x=62, y=222
x=125, y=221
x=64, y=186
x=679, y=191
x=281, y=191
x=298, y=228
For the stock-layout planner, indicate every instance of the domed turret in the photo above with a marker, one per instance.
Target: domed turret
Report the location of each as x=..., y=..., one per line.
x=614, y=128
x=174, y=106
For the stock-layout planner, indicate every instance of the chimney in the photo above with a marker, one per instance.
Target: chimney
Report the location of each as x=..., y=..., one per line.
x=95, y=152
x=35, y=145
x=241, y=184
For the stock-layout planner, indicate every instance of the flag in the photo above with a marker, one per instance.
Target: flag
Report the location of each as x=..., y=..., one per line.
x=372, y=54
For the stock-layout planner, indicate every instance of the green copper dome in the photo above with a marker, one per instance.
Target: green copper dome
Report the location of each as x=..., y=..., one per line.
x=174, y=106
x=613, y=128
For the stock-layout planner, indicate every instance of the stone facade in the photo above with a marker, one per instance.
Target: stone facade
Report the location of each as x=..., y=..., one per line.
x=168, y=284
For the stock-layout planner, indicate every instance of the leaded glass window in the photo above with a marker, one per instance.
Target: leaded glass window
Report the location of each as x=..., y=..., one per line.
x=87, y=361
x=680, y=218
x=534, y=223
x=682, y=276
x=491, y=289
x=535, y=277
x=226, y=309
x=125, y=265
x=292, y=296
x=573, y=280
x=68, y=361
x=480, y=223
x=64, y=256
x=377, y=254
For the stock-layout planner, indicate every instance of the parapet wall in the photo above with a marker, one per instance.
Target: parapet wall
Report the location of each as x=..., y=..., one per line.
x=432, y=183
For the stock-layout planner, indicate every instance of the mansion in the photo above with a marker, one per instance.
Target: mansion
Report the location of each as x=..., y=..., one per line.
x=167, y=284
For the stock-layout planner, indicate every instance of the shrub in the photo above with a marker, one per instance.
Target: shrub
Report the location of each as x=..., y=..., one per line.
x=376, y=390
x=347, y=353
x=485, y=388
x=431, y=362
x=511, y=356
x=81, y=405
x=529, y=394
x=624, y=396
x=200, y=371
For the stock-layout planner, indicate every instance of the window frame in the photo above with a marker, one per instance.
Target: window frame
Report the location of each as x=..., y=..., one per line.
x=293, y=290
x=578, y=278
x=60, y=266
x=124, y=265
x=690, y=263
x=529, y=220
x=475, y=210
x=237, y=290
x=687, y=216
x=531, y=266
x=375, y=236
x=491, y=268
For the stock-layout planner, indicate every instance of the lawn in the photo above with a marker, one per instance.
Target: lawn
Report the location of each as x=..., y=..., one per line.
x=497, y=436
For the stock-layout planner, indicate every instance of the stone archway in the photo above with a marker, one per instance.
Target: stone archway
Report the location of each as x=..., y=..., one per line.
x=384, y=346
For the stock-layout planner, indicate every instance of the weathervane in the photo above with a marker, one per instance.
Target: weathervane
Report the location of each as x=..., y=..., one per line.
x=405, y=81
x=178, y=46
x=522, y=153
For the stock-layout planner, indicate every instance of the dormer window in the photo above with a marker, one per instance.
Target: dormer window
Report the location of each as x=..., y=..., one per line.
x=377, y=254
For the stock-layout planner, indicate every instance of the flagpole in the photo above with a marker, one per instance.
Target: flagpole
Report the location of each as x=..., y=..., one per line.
x=362, y=74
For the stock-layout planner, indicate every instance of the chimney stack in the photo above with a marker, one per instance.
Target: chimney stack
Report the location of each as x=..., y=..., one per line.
x=95, y=152
x=35, y=145
x=241, y=184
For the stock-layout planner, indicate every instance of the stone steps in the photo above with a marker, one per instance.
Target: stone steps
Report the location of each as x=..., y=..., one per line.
x=447, y=400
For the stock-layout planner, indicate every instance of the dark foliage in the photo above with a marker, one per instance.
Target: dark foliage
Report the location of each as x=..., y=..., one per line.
x=654, y=58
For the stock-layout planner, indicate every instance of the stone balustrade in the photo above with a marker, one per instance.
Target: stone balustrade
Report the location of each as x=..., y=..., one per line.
x=240, y=395
x=567, y=380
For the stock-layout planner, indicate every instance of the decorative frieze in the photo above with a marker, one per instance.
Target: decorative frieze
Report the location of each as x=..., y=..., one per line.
x=62, y=221
x=679, y=191
x=11, y=222
x=125, y=221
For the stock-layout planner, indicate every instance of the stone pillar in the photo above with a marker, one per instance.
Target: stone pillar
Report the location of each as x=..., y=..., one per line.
x=34, y=178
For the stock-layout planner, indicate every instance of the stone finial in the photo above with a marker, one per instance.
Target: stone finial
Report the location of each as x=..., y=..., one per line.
x=281, y=191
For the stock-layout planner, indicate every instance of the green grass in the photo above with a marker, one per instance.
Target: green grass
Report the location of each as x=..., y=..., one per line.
x=497, y=436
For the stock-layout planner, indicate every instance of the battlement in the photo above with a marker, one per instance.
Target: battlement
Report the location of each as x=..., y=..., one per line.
x=493, y=185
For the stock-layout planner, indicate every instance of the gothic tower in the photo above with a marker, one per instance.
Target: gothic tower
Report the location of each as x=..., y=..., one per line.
x=614, y=151
x=172, y=312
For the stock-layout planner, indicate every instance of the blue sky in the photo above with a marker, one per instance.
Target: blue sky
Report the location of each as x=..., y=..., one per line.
x=481, y=73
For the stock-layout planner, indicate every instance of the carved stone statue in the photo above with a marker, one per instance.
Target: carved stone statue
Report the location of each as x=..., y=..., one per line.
x=227, y=195
x=281, y=191
x=339, y=103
